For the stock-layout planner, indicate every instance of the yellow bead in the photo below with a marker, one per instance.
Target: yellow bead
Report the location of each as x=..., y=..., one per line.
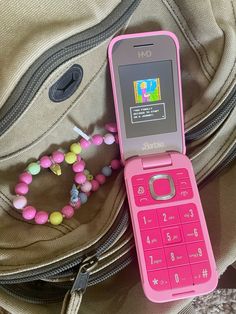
x=56, y=218
x=70, y=157
x=76, y=148
x=90, y=177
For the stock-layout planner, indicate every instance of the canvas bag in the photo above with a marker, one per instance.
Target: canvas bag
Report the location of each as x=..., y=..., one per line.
x=207, y=38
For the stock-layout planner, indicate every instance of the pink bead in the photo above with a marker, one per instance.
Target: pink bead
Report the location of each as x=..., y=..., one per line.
x=19, y=202
x=29, y=212
x=45, y=162
x=97, y=139
x=111, y=127
x=88, y=193
x=41, y=218
x=86, y=187
x=95, y=185
x=80, y=178
x=21, y=188
x=115, y=164
x=84, y=143
x=68, y=211
x=100, y=178
x=78, y=204
x=25, y=177
x=58, y=156
x=116, y=139
x=78, y=166
x=109, y=138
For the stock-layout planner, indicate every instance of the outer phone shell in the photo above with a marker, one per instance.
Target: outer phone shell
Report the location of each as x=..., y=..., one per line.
x=135, y=166
x=158, y=162
x=128, y=36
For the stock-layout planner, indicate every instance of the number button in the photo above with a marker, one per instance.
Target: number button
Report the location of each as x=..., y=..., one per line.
x=171, y=235
x=188, y=213
x=159, y=280
x=192, y=232
x=180, y=277
x=155, y=259
x=197, y=252
x=176, y=256
x=168, y=216
x=151, y=239
x=147, y=219
x=201, y=272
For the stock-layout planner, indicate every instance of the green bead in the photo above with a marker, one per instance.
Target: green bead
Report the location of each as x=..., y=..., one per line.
x=70, y=158
x=86, y=172
x=33, y=168
x=56, y=218
x=76, y=148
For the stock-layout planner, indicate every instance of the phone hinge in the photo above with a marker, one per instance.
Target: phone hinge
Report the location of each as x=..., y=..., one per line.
x=157, y=160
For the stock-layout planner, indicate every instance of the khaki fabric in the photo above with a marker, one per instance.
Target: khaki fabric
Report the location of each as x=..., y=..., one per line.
x=207, y=35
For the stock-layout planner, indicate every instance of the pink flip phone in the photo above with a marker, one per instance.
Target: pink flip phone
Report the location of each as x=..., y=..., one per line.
x=172, y=242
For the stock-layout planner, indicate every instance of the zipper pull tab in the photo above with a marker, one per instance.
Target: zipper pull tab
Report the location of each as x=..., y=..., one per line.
x=81, y=280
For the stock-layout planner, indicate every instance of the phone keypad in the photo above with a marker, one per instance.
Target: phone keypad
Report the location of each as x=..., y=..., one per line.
x=174, y=249
x=142, y=184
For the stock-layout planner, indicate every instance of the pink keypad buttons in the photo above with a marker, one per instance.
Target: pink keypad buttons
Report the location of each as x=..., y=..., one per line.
x=168, y=216
x=159, y=280
x=151, y=239
x=140, y=190
x=184, y=183
x=180, y=173
x=147, y=219
x=180, y=277
x=188, y=213
x=171, y=235
x=176, y=256
x=138, y=180
x=183, y=194
x=162, y=187
x=201, y=272
x=197, y=252
x=155, y=259
x=192, y=232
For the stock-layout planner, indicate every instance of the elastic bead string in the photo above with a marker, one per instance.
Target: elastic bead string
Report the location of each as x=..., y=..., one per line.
x=85, y=182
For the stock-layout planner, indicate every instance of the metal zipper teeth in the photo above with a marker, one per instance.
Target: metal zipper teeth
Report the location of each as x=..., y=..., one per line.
x=53, y=270
x=29, y=85
x=93, y=280
x=230, y=157
x=215, y=118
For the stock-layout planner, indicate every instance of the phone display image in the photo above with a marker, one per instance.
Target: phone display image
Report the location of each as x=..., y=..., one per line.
x=148, y=98
x=147, y=90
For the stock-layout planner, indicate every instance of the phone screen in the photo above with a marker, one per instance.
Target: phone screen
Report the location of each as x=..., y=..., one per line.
x=147, y=91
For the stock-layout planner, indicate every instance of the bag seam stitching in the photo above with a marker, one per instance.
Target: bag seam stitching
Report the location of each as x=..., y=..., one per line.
x=200, y=44
x=184, y=31
x=60, y=116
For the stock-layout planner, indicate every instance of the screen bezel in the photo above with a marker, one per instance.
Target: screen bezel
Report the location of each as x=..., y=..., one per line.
x=132, y=49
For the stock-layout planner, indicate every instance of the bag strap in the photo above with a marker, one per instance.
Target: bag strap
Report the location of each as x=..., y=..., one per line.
x=71, y=303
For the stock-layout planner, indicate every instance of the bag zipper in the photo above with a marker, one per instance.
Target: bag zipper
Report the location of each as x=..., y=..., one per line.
x=214, y=119
x=39, y=71
x=121, y=224
x=58, y=292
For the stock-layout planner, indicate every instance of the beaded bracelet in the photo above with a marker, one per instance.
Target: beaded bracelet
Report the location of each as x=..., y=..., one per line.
x=86, y=182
